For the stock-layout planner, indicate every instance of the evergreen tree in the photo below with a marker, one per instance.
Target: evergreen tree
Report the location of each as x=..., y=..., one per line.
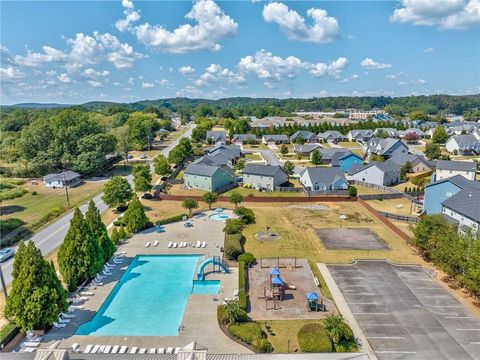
x=117, y=192
x=440, y=135
x=161, y=165
x=37, y=297
x=316, y=157
x=142, y=179
x=79, y=256
x=115, y=238
x=98, y=229
x=121, y=233
x=135, y=218
x=19, y=257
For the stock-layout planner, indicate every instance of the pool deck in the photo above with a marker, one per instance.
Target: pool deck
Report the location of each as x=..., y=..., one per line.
x=200, y=317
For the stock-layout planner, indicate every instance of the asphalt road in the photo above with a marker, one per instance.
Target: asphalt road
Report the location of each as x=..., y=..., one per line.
x=51, y=236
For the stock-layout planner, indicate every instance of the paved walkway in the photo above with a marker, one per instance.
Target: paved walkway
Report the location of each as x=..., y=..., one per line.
x=344, y=309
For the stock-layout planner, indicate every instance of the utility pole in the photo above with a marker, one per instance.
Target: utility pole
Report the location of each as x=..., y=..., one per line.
x=65, y=185
x=2, y=280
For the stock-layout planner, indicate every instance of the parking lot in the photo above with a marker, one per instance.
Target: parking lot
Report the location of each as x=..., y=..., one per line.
x=405, y=314
x=350, y=239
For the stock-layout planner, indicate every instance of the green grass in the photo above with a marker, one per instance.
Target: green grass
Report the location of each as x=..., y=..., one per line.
x=253, y=156
x=285, y=338
x=255, y=193
x=325, y=291
x=349, y=144
x=6, y=330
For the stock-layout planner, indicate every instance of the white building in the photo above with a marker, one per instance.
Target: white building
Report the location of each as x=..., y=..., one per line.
x=446, y=169
x=65, y=178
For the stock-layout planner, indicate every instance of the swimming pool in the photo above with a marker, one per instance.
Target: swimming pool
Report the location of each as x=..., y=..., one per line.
x=206, y=287
x=219, y=217
x=149, y=299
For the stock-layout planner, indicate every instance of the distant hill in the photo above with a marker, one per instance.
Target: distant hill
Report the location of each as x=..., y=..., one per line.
x=38, y=106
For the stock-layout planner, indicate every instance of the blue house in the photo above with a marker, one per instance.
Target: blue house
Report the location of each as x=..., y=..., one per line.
x=346, y=161
x=437, y=192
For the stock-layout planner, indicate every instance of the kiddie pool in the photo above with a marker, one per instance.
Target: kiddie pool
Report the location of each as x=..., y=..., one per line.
x=219, y=217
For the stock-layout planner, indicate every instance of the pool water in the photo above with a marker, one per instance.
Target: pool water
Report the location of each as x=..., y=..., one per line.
x=206, y=287
x=149, y=299
x=220, y=217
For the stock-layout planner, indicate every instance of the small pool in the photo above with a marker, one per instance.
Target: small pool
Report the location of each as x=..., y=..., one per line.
x=206, y=287
x=220, y=217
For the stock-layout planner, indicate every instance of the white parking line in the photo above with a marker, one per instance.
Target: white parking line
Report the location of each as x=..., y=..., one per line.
x=386, y=337
x=370, y=313
x=380, y=325
x=395, y=352
x=475, y=342
x=448, y=306
x=428, y=288
x=459, y=317
x=365, y=303
x=437, y=296
x=361, y=294
x=468, y=329
x=430, y=280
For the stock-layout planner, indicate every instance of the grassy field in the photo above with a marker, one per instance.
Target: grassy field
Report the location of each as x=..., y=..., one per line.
x=400, y=206
x=255, y=193
x=254, y=156
x=285, y=338
x=363, y=190
x=349, y=144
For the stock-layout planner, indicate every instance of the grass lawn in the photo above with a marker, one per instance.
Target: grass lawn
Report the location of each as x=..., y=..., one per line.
x=253, y=156
x=254, y=147
x=350, y=144
x=174, y=135
x=180, y=175
x=285, y=338
x=363, y=190
x=255, y=193
x=178, y=189
x=400, y=206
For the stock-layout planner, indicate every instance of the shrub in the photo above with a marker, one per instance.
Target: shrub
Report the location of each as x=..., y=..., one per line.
x=247, y=258
x=242, y=288
x=233, y=246
x=233, y=226
x=12, y=193
x=8, y=225
x=352, y=191
x=314, y=338
x=34, y=193
x=246, y=215
x=228, y=317
x=172, y=219
x=252, y=334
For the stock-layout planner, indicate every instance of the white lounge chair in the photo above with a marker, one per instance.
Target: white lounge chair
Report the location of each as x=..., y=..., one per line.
x=59, y=326
x=147, y=244
x=115, y=349
x=161, y=350
x=31, y=344
x=177, y=349
x=107, y=349
x=198, y=244
x=123, y=349
x=88, y=348
x=106, y=273
x=64, y=321
x=101, y=349
x=170, y=244
x=169, y=350
x=95, y=349
x=155, y=243
x=204, y=244
x=109, y=266
x=68, y=316
x=142, y=351
x=75, y=347
x=28, y=350
x=75, y=307
x=152, y=351
x=117, y=261
x=133, y=350
x=175, y=245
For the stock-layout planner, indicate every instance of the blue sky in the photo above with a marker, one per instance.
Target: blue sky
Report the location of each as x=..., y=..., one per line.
x=78, y=51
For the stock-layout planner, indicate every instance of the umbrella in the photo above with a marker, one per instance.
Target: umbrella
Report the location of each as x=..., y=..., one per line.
x=277, y=281
x=218, y=210
x=275, y=271
x=312, y=296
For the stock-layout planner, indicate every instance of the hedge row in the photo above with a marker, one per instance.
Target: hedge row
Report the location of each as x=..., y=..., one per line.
x=242, y=289
x=252, y=334
x=171, y=219
x=14, y=193
x=8, y=225
x=7, y=333
x=313, y=338
x=234, y=245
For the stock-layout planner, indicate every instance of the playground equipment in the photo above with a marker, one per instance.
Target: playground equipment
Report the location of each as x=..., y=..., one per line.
x=313, y=304
x=218, y=266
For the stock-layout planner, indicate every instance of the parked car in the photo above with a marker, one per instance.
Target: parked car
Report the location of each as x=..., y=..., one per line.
x=6, y=254
x=147, y=196
x=130, y=156
x=143, y=156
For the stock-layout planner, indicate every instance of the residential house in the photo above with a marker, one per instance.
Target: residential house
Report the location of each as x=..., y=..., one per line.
x=305, y=149
x=446, y=169
x=217, y=159
x=216, y=137
x=379, y=173
x=463, y=209
x=346, y=160
x=391, y=132
x=439, y=191
x=415, y=131
x=208, y=177
x=331, y=136
x=275, y=139
x=64, y=179
x=241, y=139
x=323, y=179
x=231, y=152
x=330, y=156
x=360, y=135
x=463, y=145
x=418, y=162
x=384, y=147
x=264, y=177
x=307, y=136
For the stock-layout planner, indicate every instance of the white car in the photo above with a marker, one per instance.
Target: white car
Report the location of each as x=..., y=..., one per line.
x=143, y=156
x=6, y=254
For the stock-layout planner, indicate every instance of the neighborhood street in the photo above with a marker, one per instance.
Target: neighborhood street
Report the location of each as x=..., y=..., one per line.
x=50, y=237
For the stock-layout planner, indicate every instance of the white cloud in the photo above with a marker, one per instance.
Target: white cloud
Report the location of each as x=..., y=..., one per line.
x=428, y=50
x=147, y=85
x=64, y=78
x=323, y=30
x=95, y=83
x=84, y=50
x=413, y=82
x=93, y=74
x=333, y=69
x=214, y=73
x=186, y=70
x=11, y=74
x=444, y=14
x=371, y=64
x=131, y=81
x=212, y=26
x=130, y=16
x=164, y=82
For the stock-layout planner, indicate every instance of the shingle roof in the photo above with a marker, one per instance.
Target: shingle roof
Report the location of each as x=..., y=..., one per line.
x=262, y=170
x=460, y=181
x=323, y=175
x=206, y=170
x=216, y=134
x=244, y=137
x=276, y=137
x=466, y=140
x=65, y=175
x=306, y=148
x=336, y=134
x=329, y=154
x=465, y=202
x=303, y=133
x=216, y=159
x=456, y=165
x=229, y=151
x=385, y=166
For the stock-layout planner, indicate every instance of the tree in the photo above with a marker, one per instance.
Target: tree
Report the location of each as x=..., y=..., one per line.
x=210, y=198
x=181, y=152
x=190, y=204
x=382, y=134
x=92, y=151
x=18, y=261
x=406, y=168
x=79, y=257
x=94, y=222
x=433, y=151
x=377, y=158
x=316, y=157
x=141, y=129
x=284, y=149
x=117, y=192
x=142, y=178
x=352, y=191
x=124, y=142
x=233, y=311
x=245, y=214
x=300, y=140
x=440, y=135
x=235, y=198
x=135, y=218
x=336, y=328
x=161, y=166
x=37, y=297
x=289, y=168
x=121, y=233
x=411, y=137
x=115, y=238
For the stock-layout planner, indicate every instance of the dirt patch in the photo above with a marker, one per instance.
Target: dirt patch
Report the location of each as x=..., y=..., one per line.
x=350, y=239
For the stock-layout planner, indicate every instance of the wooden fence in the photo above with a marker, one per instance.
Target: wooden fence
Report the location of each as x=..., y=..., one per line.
x=404, y=218
x=251, y=199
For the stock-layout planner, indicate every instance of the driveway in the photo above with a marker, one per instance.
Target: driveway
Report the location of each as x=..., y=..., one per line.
x=51, y=236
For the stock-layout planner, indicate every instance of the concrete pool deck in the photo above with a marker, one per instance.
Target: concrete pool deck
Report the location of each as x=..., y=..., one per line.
x=199, y=321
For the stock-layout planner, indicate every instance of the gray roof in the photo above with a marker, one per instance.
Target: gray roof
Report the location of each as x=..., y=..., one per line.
x=401, y=158
x=328, y=154
x=465, y=202
x=385, y=144
x=216, y=159
x=244, y=137
x=361, y=132
x=216, y=134
x=207, y=170
x=460, y=181
x=389, y=131
x=64, y=175
x=262, y=170
x=456, y=165
x=333, y=133
x=324, y=175
x=305, y=148
x=307, y=135
x=276, y=137
x=384, y=166
x=229, y=151
x=466, y=140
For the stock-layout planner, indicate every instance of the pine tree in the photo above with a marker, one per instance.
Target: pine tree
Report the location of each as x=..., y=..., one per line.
x=37, y=297
x=79, y=256
x=121, y=233
x=18, y=262
x=135, y=218
x=115, y=238
x=98, y=229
